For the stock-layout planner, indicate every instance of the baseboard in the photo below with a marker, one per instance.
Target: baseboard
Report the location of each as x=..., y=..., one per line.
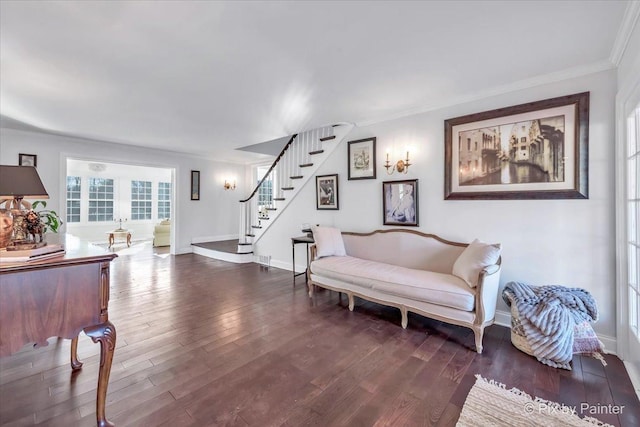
x=503, y=318
x=214, y=238
x=184, y=250
x=224, y=256
x=280, y=264
x=634, y=375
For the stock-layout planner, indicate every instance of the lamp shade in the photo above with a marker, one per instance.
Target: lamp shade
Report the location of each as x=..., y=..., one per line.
x=17, y=182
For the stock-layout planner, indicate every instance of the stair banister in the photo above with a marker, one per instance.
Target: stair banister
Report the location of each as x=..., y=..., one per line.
x=275, y=162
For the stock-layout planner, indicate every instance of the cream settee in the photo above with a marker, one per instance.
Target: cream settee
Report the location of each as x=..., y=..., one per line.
x=421, y=273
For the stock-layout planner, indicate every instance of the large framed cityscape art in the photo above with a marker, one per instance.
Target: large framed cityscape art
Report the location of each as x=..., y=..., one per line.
x=538, y=150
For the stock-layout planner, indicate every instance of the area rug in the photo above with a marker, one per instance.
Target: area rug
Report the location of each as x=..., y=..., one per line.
x=489, y=403
x=123, y=250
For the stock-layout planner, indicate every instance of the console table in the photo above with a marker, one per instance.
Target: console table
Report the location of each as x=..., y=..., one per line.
x=294, y=241
x=60, y=297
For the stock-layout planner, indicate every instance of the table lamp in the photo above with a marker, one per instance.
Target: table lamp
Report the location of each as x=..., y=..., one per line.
x=17, y=183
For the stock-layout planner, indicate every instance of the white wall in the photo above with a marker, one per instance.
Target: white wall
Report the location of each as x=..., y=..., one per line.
x=214, y=216
x=567, y=242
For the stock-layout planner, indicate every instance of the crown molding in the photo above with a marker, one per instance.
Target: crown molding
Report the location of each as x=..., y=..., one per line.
x=629, y=20
x=540, y=80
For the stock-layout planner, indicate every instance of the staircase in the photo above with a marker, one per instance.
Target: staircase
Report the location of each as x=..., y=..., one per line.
x=297, y=163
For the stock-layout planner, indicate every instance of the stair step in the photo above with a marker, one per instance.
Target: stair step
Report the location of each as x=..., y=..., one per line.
x=287, y=188
x=256, y=226
x=279, y=199
x=306, y=165
x=263, y=217
x=273, y=209
x=296, y=177
x=327, y=138
x=245, y=244
x=316, y=152
x=250, y=235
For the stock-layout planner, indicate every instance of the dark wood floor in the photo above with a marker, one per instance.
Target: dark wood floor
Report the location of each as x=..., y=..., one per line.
x=203, y=342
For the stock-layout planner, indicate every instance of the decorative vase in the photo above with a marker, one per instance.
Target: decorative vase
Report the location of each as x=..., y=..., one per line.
x=6, y=228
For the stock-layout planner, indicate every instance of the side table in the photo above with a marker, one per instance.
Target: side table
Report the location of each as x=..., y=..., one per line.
x=119, y=233
x=294, y=241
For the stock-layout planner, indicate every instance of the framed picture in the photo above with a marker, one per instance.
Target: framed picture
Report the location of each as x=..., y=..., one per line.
x=400, y=202
x=327, y=192
x=27, y=160
x=537, y=150
x=362, y=159
x=195, y=185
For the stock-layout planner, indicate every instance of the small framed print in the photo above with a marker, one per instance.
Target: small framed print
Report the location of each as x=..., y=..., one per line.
x=195, y=185
x=362, y=159
x=400, y=202
x=27, y=160
x=327, y=192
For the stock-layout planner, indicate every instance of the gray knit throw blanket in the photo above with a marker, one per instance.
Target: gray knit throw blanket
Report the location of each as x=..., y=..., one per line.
x=548, y=315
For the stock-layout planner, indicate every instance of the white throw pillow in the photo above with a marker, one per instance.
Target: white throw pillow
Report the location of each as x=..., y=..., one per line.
x=328, y=241
x=473, y=259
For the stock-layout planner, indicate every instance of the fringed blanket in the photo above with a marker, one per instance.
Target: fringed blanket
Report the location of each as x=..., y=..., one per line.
x=548, y=315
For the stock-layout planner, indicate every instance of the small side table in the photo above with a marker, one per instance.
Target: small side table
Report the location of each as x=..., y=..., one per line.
x=294, y=241
x=119, y=233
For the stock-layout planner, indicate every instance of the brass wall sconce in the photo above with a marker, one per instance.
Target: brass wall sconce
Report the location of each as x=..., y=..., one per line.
x=229, y=186
x=402, y=166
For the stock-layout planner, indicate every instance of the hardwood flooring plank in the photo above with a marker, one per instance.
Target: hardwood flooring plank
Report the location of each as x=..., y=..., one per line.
x=205, y=342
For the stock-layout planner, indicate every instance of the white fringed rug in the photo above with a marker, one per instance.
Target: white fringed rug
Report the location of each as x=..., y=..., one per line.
x=490, y=404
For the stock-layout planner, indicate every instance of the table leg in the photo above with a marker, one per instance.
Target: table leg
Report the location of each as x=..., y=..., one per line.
x=306, y=271
x=75, y=363
x=111, y=240
x=128, y=240
x=105, y=334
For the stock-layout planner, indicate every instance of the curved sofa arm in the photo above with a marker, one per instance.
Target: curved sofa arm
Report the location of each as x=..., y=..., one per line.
x=487, y=293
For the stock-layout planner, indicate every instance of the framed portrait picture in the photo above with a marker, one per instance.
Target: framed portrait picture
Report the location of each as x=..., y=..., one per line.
x=362, y=159
x=537, y=150
x=27, y=160
x=195, y=185
x=400, y=202
x=327, y=192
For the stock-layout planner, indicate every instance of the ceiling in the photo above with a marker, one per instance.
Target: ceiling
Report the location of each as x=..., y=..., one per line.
x=207, y=78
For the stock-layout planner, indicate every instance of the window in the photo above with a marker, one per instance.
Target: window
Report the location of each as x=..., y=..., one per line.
x=633, y=209
x=468, y=144
x=140, y=200
x=164, y=200
x=100, y=199
x=73, y=198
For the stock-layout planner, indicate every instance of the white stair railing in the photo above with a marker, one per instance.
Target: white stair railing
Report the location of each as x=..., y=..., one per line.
x=285, y=174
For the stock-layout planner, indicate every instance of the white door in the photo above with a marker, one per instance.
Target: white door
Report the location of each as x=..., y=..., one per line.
x=629, y=237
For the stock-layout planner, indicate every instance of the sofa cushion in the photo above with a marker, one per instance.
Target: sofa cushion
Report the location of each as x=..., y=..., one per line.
x=473, y=259
x=436, y=288
x=328, y=241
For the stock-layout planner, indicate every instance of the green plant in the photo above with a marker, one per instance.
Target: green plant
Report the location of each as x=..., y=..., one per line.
x=50, y=219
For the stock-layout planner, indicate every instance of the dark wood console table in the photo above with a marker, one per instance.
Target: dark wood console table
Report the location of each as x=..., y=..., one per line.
x=60, y=297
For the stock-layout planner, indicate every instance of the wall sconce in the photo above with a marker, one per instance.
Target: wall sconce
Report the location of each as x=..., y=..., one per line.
x=228, y=186
x=402, y=166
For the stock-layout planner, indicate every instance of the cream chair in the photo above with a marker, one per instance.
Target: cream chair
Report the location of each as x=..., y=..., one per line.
x=162, y=233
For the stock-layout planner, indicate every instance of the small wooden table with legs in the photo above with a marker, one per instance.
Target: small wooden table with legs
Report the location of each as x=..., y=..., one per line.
x=119, y=233
x=60, y=297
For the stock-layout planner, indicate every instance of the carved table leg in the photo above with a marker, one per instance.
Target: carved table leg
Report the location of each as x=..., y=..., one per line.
x=104, y=333
x=112, y=240
x=75, y=363
x=128, y=239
